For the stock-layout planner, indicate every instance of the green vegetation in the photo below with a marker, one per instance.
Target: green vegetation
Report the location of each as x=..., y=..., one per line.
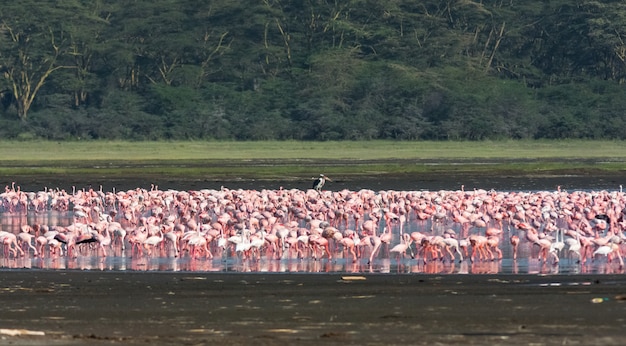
x=273, y=159
x=295, y=150
x=312, y=70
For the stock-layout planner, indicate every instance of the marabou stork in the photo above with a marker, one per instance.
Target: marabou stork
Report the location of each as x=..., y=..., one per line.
x=319, y=182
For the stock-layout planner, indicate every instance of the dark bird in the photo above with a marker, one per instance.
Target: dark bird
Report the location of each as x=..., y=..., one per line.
x=319, y=182
x=604, y=217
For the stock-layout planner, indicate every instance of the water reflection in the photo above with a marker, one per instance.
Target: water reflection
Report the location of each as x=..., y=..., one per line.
x=382, y=265
x=164, y=258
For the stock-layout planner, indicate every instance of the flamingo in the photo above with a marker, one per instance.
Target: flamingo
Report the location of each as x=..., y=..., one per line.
x=401, y=248
x=348, y=243
x=557, y=245
x=514, y=240
x=151, y=242
x=104, y=241
x=172, y=237
x=41, y=243
x=574, y=246
x=198, y=243
x=273, y=218
x=25, y=238
x=316, y=241
x=256, y=243
x=604, y=250
x=119, y=234
x=9, y=240
x=451, y=242
x=244, y=246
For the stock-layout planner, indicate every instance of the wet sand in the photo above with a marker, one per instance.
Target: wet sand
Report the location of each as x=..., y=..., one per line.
x=186, y=308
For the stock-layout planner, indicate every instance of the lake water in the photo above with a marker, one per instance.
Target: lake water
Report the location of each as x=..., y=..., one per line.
x=527, y=263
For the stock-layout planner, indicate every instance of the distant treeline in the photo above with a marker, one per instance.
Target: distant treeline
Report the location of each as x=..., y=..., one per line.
x=313, y=69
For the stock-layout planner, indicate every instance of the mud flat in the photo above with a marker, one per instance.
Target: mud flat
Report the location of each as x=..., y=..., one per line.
x=189, y=308
x=502, y=181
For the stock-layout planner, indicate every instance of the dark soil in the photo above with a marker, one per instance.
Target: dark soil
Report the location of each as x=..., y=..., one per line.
x=177, y=308
x=568, y=180
x=506, y=175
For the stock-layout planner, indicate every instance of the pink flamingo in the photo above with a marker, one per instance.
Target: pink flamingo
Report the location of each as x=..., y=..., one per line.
x=9, y=240
x=515, y=243
x=151, y=242
x=400, y=249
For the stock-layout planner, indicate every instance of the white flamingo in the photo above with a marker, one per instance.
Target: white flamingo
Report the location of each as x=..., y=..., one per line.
x=152, y=241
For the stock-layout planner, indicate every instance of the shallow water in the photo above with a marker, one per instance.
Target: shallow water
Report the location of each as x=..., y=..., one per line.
x=223, y=261
x=382, y=265
x=118, y=260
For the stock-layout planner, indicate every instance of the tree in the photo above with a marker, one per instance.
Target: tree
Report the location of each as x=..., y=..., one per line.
x=29, y=52
x=86, y=41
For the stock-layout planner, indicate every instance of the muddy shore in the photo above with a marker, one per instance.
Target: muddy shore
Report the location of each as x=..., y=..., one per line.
x=186, y=308
x=511, y=181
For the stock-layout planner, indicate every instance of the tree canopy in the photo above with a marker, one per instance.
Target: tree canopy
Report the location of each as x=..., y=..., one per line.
x=313, y=69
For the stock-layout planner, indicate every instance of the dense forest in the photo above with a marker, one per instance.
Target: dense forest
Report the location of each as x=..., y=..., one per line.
x=312, y=69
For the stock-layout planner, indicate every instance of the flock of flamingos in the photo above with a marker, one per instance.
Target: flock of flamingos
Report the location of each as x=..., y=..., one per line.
x=317, y=225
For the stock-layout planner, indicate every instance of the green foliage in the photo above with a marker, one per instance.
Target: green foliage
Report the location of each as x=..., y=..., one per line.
x=313, y=70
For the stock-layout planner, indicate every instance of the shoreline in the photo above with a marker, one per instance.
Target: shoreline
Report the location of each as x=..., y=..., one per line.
x=499, y=181
x=77, y=307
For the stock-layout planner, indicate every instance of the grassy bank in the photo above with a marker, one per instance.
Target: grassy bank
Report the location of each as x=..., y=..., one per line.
x=273, y=159
x=360, y=150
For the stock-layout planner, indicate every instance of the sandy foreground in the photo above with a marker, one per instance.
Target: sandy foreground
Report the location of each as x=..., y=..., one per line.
x=45, y=307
